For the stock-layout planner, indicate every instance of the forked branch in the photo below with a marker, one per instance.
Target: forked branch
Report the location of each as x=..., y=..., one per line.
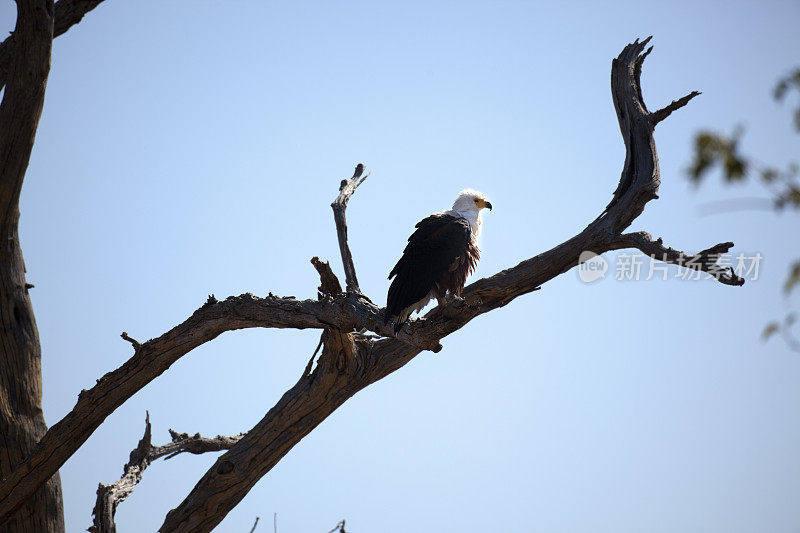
x=110, y=496
x=67, y=13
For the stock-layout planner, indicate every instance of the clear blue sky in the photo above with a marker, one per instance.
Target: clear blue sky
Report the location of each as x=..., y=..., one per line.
x=194, y=147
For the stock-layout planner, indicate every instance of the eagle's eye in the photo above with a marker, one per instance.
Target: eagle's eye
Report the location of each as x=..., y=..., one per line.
x=475, y=200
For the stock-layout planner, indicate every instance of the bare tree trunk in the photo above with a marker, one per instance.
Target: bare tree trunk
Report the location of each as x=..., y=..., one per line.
x=21, y=418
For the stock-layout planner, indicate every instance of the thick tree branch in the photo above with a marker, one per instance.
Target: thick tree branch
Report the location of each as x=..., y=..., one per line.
x=67, y=14
x=110, y=496
x=640, y=175
x=327, y=386
x=350, y=361
x=346, y=190
x=156, y=355
x=71, y=12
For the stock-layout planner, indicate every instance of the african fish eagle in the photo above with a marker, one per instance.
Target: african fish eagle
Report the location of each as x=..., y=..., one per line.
x=440, y=254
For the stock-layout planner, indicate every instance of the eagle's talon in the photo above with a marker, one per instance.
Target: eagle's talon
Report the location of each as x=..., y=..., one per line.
x=454, y=298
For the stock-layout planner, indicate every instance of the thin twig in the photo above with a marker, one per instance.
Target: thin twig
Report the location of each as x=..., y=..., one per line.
x=307, y=371
x=346, y=190
x=136, y=344
x=252, y=529
x=339, y=528
x=661, y=114
x=194, y=444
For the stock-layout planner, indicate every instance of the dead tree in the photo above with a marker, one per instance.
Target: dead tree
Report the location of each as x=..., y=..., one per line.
x=350, y=359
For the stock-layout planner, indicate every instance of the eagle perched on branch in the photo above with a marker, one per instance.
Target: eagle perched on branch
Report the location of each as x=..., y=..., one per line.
x=440, y=254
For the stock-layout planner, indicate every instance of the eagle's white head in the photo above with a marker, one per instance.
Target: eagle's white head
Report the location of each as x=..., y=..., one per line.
x=469, y=205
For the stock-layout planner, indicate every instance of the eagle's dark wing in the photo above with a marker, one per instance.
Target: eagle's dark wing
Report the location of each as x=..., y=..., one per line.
x=431, y=251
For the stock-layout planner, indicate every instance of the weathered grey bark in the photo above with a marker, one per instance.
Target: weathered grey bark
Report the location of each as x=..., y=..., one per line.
x=350, y=360
x=110, y=496
x=21, y=420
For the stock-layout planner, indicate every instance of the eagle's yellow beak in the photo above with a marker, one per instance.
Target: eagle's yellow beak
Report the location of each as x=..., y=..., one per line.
x=484, y=203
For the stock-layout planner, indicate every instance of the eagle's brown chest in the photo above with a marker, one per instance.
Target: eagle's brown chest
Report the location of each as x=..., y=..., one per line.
x=454, y=278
